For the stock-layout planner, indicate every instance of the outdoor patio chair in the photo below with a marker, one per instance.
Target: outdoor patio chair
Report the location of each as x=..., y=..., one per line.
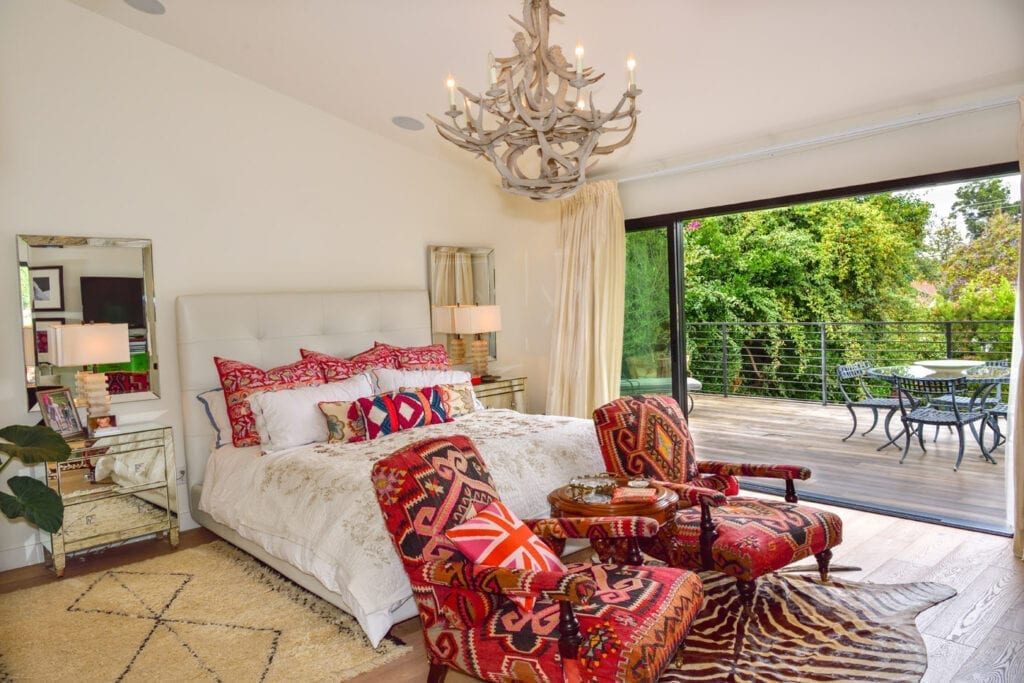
x=548, y=622
x=918, y=408
x=851, y=383
x=712, y=530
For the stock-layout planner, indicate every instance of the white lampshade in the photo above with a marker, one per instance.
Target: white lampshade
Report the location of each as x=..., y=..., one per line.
x=90, y=344
x=442, y=319
x=476, y=319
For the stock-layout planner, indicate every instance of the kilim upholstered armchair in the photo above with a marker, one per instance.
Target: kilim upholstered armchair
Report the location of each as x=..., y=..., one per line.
x=601, y=622
x=647, y=436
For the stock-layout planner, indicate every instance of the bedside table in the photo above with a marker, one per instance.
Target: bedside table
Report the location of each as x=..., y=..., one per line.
x=114, y=487
x=502, y=393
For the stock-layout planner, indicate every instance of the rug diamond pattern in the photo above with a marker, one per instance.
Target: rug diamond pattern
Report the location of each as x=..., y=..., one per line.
x=196, y=649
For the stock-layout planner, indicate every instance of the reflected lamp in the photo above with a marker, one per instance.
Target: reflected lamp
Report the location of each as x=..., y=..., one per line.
x=91, y=345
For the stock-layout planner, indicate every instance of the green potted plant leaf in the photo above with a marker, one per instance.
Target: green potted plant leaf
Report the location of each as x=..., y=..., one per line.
x=33, y=499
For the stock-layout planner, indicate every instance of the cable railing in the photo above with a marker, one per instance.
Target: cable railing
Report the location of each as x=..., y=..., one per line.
x=798, y=360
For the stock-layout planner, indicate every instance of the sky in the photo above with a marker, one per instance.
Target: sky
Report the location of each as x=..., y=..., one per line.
x=943, y=196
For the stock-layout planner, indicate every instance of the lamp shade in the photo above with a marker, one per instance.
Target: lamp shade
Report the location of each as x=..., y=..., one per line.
x=476, y=319
x=442, y=319
x=90, y=344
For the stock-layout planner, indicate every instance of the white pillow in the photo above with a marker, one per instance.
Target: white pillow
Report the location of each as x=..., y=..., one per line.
x=388, y=380
x=291, y=417
x=217, y=411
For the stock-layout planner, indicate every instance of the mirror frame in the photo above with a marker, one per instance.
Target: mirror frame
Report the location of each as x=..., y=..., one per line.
x=483, y=256
x=145, y=247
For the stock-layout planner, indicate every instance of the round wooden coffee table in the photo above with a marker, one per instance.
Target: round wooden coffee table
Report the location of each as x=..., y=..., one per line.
x=662, y=509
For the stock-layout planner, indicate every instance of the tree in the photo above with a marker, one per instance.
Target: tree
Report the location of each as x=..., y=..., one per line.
x=983, y=262
x=979, y=200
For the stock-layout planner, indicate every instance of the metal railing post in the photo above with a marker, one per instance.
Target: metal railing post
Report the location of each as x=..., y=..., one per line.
x=725, y=361
x=949, y=339
x=824, y=377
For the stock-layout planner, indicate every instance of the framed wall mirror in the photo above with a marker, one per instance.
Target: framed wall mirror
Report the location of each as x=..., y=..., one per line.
x=88, y=279
x=462, y=276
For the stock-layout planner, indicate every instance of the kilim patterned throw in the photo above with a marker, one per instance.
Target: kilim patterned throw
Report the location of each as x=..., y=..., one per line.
x=802, y=630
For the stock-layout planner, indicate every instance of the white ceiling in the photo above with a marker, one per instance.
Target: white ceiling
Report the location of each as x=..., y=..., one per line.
x=718, y=77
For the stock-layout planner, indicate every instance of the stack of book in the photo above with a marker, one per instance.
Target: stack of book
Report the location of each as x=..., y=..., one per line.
x=634, y=495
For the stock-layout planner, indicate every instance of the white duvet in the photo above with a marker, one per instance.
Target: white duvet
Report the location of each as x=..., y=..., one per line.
x=313, y=505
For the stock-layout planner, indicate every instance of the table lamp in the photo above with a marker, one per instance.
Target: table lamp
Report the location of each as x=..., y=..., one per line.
x=477, y=320
x=91, y=345
x=442, y=319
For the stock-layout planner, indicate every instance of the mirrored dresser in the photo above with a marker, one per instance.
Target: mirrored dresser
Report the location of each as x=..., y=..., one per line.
x=117, y=486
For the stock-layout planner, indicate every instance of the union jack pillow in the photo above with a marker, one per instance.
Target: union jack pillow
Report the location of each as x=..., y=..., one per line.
x=497, y=538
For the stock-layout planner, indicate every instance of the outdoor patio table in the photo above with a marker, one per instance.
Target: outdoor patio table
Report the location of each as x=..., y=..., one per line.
x=988, y=379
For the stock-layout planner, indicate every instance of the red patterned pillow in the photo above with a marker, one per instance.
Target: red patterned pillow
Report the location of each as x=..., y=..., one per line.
x=432, y=357
x=241, y=380
x=334, y=369
x=388, y=413
x=497, y=538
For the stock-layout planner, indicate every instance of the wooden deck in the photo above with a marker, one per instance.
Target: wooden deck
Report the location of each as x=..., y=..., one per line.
x=853, y=473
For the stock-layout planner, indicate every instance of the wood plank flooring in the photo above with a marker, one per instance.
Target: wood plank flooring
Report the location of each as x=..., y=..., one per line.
x=740, y=429
x=977, y=635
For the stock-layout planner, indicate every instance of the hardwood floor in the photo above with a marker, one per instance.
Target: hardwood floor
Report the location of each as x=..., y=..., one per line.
x=853, y=472
x=977, y=635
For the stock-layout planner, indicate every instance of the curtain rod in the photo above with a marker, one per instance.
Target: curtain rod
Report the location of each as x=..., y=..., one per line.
x=822, y=140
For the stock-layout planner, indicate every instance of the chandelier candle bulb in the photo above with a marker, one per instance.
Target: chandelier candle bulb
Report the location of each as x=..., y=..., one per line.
x=579, y=60
x=450, y=82
x=494, y=71
x=631, y=66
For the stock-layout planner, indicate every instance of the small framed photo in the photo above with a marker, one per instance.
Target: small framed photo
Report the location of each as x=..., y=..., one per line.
x=104, y=424
x=59, y=412
x=41, y=338
x=47, y=288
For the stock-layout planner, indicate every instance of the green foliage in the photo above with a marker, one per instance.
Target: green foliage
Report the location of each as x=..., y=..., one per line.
x=979, y=200
x=32, y=499
x=985, y=261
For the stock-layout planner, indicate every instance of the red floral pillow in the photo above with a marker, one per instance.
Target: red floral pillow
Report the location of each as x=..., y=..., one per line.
x=241, y=380
x=336, y=369
x=497, y=538
x=432, y=357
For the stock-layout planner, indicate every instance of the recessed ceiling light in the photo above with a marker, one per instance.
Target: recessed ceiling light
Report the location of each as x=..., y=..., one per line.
x=147, y=6
x=407, y=122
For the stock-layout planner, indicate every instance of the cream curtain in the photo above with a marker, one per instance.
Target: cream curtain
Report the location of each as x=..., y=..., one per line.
x=1015, y=415
x=586, y=344
x=452, y=272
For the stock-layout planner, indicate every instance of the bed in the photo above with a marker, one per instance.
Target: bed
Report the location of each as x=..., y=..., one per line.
x=309, y=511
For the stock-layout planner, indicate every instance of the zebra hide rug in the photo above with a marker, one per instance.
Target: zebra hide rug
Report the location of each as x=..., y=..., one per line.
x=802, y=630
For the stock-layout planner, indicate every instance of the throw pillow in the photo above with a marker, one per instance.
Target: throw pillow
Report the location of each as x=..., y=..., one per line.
x=497, y=538
x=241, y=381
x=344, y=421
x=432, y=357
x=389, y=413
x=217, y=412
x=336, y=369
x=457, y=399
x=290, y=417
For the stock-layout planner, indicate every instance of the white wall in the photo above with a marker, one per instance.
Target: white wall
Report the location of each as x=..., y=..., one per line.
x=105, y=132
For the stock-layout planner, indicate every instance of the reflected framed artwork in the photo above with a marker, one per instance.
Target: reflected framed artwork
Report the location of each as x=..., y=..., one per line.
x=47, y=288
x=59, y=412
x=41, y=338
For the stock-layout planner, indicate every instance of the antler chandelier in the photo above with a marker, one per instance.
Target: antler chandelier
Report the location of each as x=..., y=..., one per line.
x=536, y=122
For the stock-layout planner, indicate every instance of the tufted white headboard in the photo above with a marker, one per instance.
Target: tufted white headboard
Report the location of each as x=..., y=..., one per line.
x=267, y=330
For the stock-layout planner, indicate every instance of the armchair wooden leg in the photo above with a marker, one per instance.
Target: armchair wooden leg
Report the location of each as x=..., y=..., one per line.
x=569, y=636
x=747, y=590
x=708, y=534
x=437, y=673
x=823, y=558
